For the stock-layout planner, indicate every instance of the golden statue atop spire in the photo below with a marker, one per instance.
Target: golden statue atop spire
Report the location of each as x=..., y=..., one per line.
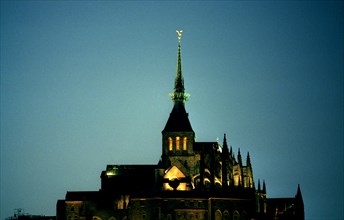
x=179, y=32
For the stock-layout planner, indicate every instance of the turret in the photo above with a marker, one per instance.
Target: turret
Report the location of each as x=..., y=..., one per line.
x=249, y=172
x=299, y=207
x=261, y=199
x=225, y=160
x=225, y=146
x=264, y=188
x=248, y=160
x=239, y=158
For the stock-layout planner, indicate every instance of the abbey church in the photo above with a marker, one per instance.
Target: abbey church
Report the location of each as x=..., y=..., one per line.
x=192, y=180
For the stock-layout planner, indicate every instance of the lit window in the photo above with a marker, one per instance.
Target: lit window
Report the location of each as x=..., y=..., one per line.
x=177, y=143
x=170, y=144
x=184, y=143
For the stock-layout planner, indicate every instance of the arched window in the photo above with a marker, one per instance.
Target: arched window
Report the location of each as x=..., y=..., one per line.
x=218, y=215
x=184, y=142
x=170, y=144
x=236, y=215
x=226, y=215
x=177, y=143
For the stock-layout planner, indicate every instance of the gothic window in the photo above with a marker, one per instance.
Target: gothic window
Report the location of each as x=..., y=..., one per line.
x=218, y=215
x=184, y=142
x=225, y=215
x=177, y=143
x=170, y=144
x=236, y=215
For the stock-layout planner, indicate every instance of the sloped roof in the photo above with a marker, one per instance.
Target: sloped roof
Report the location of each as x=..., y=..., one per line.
x=178, y=120
x=174, y=172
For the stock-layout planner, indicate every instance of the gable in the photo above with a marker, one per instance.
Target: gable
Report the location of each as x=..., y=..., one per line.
x=174, y=173
x=174, y=179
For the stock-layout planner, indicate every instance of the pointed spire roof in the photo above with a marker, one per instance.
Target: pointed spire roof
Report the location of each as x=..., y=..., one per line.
x=298, y=193
x=179, y=82
x=179, y=94
x=299, y=203
x=179, y=118
x=239, y=157
x=248, y=160
x=225, y=146
x=264, y=187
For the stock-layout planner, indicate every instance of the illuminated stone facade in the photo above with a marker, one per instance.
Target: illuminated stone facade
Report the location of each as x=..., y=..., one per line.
x=192, y=180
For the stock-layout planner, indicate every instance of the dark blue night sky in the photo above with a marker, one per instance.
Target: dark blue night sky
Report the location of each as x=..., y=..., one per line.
x=85, y=84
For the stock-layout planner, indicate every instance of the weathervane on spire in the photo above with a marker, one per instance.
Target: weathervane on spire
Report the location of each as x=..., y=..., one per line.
x=179, y=32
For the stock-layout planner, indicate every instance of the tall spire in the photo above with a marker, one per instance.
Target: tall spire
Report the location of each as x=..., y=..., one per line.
x=225, y=157
x=179, y=118
x=179, y=94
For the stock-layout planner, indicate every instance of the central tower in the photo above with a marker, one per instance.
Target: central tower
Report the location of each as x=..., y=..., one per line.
x=178, y=137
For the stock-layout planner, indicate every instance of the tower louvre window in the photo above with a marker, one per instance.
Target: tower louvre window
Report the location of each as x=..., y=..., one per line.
x=184, y=142
x=177, y=143
x=170, y=144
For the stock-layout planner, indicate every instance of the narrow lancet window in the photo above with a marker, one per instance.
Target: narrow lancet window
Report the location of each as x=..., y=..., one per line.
x=170, y=144
x=184, y=142
x=177, y=143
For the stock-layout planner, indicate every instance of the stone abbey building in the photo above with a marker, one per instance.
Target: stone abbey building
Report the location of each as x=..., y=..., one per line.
x=192, y=180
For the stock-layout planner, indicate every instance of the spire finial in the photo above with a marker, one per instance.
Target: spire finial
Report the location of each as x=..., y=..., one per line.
x=179, y=32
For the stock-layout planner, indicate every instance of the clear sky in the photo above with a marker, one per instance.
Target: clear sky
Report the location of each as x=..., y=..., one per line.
x=85, y=84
